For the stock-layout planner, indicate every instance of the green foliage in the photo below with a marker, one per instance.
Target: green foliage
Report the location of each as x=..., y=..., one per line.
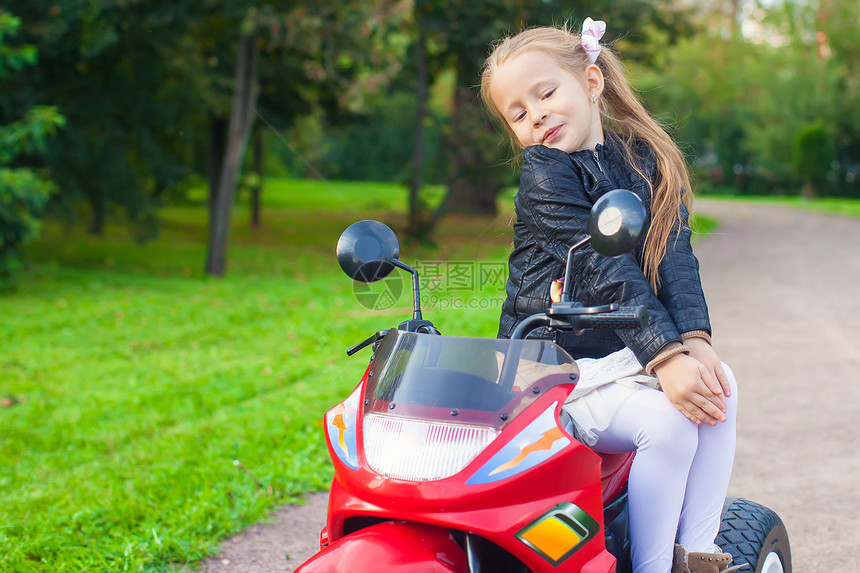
x=28, y=135
x=23, y=194
x=813, y=155
x=374, y=145
x=23, y=191
x=141, y=84
x=110, y=68
x=737, y=103
x=13, y=58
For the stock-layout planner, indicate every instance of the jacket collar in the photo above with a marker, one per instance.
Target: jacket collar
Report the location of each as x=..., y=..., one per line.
x=605, y=150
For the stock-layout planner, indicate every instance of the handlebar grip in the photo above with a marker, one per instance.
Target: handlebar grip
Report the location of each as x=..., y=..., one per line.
x=623, y=318
x=366, y=342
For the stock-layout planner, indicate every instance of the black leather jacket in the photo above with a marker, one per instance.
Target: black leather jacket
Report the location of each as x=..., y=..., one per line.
x=556, y=193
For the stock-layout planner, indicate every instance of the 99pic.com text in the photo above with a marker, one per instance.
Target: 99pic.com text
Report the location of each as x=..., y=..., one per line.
x=439, y=302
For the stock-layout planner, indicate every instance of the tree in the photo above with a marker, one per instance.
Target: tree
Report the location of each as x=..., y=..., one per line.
x=420, y=116
x=23, y=190
x=344, y=52
x=111, y=69
x=241, y=120
x=729, y=98
x=463, y=31
x=148, y=89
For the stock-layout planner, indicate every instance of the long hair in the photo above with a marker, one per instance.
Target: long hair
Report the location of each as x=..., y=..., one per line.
x=622, y=114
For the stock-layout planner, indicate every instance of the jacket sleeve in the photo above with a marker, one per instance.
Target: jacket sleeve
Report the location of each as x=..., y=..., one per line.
x=680, y=288
x=553, y=204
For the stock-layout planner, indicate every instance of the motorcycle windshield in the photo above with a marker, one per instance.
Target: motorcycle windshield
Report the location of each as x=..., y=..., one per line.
x=460, y=380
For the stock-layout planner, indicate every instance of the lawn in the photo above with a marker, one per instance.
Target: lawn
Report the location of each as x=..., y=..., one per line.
x=148, y=411
x=845, y=206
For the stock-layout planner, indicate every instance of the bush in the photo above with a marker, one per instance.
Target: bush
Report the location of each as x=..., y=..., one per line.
x=813, y=158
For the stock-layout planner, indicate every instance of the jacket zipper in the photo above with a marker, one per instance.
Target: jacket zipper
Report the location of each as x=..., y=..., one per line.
x=597, y=159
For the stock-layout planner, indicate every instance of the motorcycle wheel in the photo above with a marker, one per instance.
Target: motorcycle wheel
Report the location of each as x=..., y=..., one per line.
x=755, y=535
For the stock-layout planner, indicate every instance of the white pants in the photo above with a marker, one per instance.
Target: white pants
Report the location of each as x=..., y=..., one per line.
x=679, y=477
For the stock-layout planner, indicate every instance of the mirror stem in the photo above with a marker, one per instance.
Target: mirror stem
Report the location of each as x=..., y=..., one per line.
x=568, y=269
x=416, y=296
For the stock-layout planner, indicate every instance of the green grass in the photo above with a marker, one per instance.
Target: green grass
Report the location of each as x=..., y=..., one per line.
x=848, y=207
x=702, y=225
x=131, y=382
x=340, y=196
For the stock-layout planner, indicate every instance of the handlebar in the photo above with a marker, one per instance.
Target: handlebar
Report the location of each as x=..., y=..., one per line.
x=628, y=317
x=413, y=325
x=572, y=316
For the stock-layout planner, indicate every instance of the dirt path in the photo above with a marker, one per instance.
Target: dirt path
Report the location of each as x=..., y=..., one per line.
x=783, y=290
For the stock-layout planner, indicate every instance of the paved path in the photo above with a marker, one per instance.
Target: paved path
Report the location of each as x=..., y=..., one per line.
x=783, y=290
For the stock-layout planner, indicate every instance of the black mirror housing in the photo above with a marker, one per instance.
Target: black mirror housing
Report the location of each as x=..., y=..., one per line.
x=616, y=222
x=366, y=251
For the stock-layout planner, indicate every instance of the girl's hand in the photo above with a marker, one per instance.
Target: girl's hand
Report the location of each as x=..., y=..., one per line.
x=692, y=389
x=702, y=351
x=556, y=288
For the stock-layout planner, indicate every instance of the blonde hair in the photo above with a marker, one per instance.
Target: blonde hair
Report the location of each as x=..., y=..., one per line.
x=622, y=114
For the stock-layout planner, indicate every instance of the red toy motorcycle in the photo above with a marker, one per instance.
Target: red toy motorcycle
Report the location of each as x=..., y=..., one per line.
x=454, y=455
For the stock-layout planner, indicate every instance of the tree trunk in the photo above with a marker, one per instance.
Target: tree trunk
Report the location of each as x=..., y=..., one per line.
x=421, y=112
x=217, y=146
x=241, y=115
x=474, y=197
x=809, y=190
x=453, y=159
x=98, y=217
x=257, y=188
x=473, y=181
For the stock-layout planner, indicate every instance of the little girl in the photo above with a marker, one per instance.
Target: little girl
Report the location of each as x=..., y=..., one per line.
x=566, y=102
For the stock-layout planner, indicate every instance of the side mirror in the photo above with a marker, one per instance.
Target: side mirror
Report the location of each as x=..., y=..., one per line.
x=616, y=222
x=615, y=227
x=366, y=251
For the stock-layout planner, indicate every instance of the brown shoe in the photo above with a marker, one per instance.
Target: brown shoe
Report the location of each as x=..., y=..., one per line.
x=685, y=562
x=679, y=560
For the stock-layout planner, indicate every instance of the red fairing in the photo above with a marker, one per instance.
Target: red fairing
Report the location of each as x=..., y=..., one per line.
x=531, y=490
x=393, y=547
x=572, y=475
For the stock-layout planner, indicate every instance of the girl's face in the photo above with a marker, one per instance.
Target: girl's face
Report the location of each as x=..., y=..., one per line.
x=545, y=104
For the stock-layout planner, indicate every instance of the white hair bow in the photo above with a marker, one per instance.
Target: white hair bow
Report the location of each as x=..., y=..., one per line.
x=591, y=33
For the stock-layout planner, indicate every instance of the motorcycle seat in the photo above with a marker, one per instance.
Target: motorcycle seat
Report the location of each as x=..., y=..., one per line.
x=614, y=471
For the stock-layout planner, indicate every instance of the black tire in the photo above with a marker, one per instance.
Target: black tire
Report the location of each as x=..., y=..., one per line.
x=752, y=533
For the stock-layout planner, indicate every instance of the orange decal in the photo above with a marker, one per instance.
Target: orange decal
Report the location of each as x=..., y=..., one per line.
x=338, y=423
x=545, y=442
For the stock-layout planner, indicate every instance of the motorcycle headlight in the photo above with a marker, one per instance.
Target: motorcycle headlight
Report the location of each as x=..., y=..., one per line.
x=421, y=450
